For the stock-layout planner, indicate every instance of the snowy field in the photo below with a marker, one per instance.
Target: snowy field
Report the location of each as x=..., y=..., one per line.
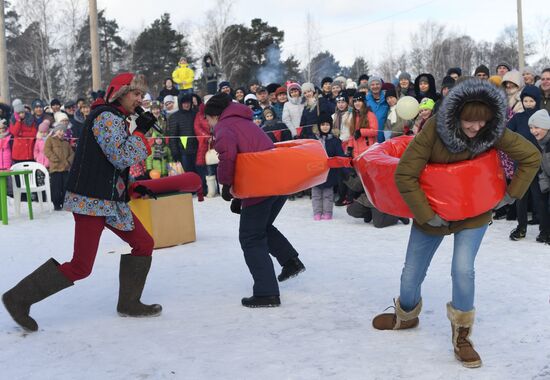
x=321, y=331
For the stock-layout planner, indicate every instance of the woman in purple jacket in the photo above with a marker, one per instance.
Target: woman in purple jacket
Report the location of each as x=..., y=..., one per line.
x=234, y=133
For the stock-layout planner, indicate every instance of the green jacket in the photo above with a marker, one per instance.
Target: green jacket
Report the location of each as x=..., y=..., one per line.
x=160, y=164
x=442, y=142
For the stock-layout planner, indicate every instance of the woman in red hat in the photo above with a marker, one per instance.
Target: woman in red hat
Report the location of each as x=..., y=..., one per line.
x=97, y=195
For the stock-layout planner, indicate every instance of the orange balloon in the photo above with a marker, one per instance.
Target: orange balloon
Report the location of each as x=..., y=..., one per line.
x=154, y=174
x=455, y=191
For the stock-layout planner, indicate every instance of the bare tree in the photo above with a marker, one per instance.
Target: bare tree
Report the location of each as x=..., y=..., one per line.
x=216, y=38
x=313, y=47
x=74, y=14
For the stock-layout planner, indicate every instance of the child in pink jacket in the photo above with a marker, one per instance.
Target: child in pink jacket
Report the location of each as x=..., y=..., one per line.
x=5, y=149
x=41, y=136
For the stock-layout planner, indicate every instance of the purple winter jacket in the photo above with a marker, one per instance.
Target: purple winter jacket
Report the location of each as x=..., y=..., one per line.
x=236, y=133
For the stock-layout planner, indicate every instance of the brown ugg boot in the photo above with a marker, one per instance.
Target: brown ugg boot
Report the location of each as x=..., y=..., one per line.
x=461, y=324
x=399, y=320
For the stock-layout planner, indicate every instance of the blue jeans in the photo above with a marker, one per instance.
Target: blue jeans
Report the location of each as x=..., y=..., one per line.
x=420, y=251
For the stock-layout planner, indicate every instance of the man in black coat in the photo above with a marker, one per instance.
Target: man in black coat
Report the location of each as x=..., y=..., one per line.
x=180, y=124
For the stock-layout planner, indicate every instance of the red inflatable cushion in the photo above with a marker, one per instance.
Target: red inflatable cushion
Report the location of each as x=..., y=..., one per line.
x=290, y=167
x=454, y=191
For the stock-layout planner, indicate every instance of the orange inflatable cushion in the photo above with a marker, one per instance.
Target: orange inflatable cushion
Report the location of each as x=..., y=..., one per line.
x=454, y=191
x=290, y=167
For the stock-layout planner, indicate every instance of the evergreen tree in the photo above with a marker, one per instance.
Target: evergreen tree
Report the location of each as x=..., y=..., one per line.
x=157, y=50
x=323, y=65
x=111, y=52
x=292, y=70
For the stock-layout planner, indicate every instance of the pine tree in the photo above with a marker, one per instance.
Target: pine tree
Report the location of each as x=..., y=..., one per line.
x=157, y=50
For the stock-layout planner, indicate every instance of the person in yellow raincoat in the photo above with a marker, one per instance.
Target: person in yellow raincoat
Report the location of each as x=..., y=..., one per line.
x=183, y=76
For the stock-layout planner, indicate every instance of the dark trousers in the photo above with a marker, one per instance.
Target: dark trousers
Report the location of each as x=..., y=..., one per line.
x=87, y=232
x=188, y=162
x=212, y=87
x=58, y=185
x=540, y=207
x=259, y=238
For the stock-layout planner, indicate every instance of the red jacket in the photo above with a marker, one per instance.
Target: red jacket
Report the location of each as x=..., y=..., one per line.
x=368, y=135
x=202, y=131
x=24, y=134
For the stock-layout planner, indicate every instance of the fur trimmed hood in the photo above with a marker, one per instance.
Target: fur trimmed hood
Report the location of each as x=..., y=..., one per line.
x=448, y=123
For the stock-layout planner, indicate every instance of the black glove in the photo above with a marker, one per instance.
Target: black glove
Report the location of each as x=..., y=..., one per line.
x=226, y=194
x=142, y=190
x=145, y=121
x=357, y=134
x=235, y=206
x=349, y=151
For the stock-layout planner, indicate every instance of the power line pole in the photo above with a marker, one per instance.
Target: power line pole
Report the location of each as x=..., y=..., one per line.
x=520, y=38
x=4, y=78
x=94, y=44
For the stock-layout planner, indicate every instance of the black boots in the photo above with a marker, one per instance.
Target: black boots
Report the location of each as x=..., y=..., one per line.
x=291, y=268
x=261, y=301
x=42, y=283
x=133, y=273
x=518, y=233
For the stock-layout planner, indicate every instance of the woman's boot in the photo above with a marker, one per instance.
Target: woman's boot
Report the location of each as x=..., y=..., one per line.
x=461, y=324
x=133, y=273
x=42, y=283
x=399, y=320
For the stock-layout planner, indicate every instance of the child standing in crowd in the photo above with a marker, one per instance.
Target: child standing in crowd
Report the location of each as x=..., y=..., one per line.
x=60, y=155
x=23, y=129
x=341, y=117
x=292, y=110
x=160, y=157
x=426, y=107
x=5, y=149
x=39, y=145
x=364, y=127
x=276, y=130
x=530, y=98
x=539, y=124
x=322, y=196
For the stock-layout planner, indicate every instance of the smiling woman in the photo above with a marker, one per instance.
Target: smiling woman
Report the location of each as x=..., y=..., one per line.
x=470, y=122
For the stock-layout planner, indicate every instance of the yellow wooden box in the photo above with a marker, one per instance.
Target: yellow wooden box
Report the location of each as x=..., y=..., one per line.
x=169, y=220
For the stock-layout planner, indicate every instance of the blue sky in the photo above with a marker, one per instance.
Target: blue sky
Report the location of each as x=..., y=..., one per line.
x=348, y=28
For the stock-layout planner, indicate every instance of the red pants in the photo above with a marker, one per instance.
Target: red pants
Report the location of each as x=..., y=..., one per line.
x=87, y=231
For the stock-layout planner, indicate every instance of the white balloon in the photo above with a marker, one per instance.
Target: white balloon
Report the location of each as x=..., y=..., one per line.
x=407, y=107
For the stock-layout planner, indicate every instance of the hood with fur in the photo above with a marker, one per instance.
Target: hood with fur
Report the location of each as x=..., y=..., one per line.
x=448, y=122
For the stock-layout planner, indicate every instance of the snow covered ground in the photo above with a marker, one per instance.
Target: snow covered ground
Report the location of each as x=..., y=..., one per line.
x=322, y=330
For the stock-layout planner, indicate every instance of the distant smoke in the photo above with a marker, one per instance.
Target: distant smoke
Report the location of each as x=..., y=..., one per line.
x=272, y=70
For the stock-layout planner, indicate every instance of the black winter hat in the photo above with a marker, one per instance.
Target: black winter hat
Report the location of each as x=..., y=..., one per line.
x=454, y=70
x=363, y=77
x=448, y=82
x=216, y=104
x=325, y=80
x=223, y=84
x=391, y=92
x=272, y=87
x=482, y=69
x=186, y=98
x=55, y=102
x=324, y=118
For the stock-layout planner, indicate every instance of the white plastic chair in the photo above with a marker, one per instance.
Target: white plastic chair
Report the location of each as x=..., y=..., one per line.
x=20, y=189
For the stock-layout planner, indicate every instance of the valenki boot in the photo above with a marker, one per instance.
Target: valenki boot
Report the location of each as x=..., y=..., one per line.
x=399, y=320
x=211, y=185
x=133, y=273
x=43, y=282
x=461, y=324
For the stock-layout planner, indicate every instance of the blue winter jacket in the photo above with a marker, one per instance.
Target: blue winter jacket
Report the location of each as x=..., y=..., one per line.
x=380, y=109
